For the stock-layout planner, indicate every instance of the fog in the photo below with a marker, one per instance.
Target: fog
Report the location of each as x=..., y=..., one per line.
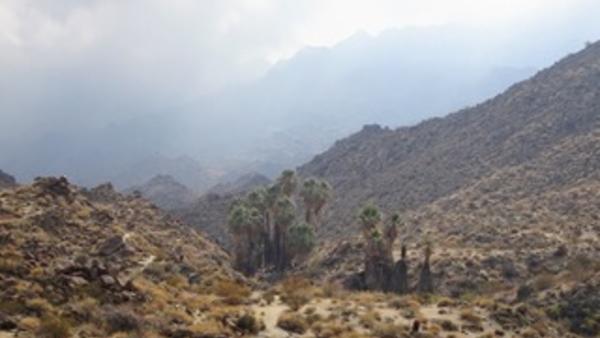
x=123, y=90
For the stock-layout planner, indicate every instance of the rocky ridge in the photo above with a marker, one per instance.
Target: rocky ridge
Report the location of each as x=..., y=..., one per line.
x=93, y=263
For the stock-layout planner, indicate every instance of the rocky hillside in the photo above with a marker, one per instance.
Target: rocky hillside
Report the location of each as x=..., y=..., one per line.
x=507, y=192
x=164, y=191
x=75, y=264
x=6, y=181
x=534, y=123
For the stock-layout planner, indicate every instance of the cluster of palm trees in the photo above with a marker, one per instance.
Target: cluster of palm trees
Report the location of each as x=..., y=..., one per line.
x=265, y=227
x=381, y=272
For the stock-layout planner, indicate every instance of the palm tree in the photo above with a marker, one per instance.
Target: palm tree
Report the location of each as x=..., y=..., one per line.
x=425, y=278
x=284, y=216
x=258, y=199
x=301, y=240
x=287, y=182
x=243, y=223
x=369, y=218
x=315, y=195
x=391, y=233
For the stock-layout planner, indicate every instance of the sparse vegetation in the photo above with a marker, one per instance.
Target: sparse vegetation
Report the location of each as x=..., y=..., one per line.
x=292, y=322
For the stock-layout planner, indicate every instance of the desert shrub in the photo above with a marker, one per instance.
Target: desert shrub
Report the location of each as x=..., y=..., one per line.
x=292, y=322
x=121, y=320
x=369, y=319
x=10, y=266
x=448, y=325
x=12, y=307
x=296, y=292
x=313, y=318
x=248, y=324
x=543, y=282
x=331, y=290
x=177, y=281
x=328, y=330
x=31, y=324
x=177, y=315
x=233, y=293
x=39, y=306
x=156, y=271
x=54, y=327
x=83, y=310
x=446, y=302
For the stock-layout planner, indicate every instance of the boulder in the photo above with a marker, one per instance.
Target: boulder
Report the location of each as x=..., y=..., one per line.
x=112, y=246
x=107, y=280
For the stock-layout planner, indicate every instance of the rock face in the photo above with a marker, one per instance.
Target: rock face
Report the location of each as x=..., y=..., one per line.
x=6, y=181
x=63, y=255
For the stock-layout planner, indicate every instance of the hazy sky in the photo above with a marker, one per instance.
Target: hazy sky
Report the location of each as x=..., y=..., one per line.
x=204, y=44
x=91, y=61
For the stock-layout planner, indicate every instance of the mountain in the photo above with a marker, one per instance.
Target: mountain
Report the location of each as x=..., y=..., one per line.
x=506, y=193
x=297, y=109
x=407, y=168
x=96, y=263
x=244, y=183
x=165, y=192
x=6, y=181
x=302, y=105
x=183, y=169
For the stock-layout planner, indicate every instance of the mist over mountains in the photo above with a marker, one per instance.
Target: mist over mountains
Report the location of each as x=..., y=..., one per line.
x=296, y=110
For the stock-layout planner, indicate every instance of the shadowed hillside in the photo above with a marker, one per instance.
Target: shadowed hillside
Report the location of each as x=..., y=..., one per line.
x=407, y=168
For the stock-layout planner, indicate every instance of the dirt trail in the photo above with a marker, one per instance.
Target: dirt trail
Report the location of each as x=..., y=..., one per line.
x=269, y=313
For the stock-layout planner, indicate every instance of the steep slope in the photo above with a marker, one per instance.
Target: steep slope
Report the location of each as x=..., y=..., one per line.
x=164, y=191
x=72, y=265
x=508, y=193
x=6, y=181
x=407, y=168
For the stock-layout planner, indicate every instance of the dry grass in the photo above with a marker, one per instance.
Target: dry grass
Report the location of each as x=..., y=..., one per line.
x=389, y=331
x=232, y=293
x=54, y=327
x=30, y=324
x=296, y=292
x=39, y=306
x=209, y=327
x=469, y=315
